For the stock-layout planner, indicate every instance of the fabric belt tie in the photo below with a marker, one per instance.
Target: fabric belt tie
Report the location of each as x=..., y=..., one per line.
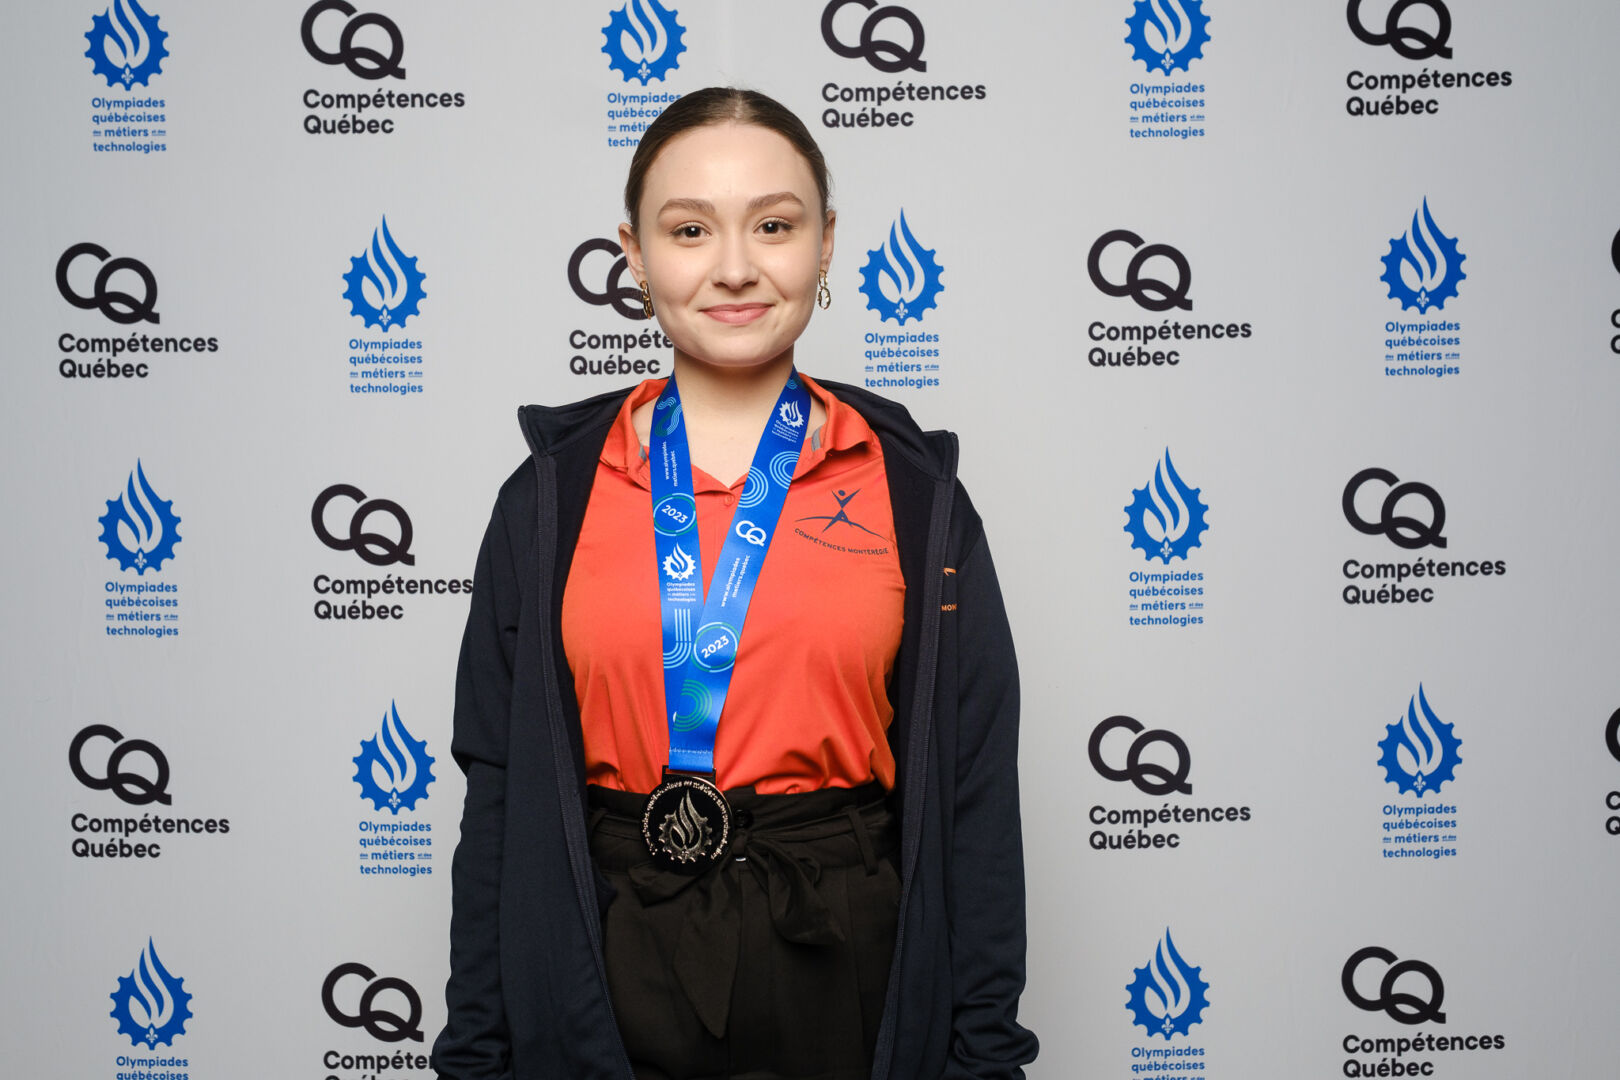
x=706, y=953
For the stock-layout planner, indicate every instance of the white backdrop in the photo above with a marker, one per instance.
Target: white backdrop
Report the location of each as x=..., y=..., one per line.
x=1281, y=701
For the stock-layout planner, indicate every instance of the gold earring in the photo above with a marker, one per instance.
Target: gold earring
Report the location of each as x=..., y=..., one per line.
x=646, y=300
x=823, y=294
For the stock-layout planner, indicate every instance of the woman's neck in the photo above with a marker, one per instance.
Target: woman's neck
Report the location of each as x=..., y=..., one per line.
x=724, y=410
x=730, y=397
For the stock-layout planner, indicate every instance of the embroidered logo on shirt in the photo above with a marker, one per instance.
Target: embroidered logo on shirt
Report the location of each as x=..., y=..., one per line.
x=842, y=517
x=843, y=498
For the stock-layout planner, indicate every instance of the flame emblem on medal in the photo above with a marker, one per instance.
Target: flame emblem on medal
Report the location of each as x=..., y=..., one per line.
x=686, y=824
x=685, y=833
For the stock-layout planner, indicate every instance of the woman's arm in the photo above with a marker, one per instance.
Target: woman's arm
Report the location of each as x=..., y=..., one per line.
x=475, y=1043
x=986, y=873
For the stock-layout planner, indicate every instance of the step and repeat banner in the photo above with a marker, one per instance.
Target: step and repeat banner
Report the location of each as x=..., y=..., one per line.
x=1283, y=341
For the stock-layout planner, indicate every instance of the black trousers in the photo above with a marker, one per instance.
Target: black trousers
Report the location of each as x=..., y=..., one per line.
x=772, y=964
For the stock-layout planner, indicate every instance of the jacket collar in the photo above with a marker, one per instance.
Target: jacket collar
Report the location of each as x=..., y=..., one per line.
x=551, y=429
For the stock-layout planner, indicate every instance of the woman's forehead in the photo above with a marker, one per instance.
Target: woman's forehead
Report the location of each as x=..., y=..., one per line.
x=728, y=161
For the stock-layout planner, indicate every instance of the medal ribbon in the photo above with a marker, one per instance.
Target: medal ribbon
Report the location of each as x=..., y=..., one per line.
x=701, y=635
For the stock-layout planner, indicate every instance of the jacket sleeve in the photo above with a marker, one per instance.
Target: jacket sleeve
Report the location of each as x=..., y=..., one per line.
x=475, y=1043
x=986, y=872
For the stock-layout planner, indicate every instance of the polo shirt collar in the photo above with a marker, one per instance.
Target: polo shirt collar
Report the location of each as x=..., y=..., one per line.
x=845, y=429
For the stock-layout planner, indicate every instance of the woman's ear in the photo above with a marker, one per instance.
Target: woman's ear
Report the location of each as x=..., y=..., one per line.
x=632, y=251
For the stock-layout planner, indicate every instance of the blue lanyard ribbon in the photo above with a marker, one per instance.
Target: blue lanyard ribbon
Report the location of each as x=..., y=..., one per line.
x=701, y=635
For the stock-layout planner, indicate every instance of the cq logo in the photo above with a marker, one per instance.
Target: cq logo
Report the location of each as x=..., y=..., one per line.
x=379, y=1023
x=1147, y=776
x=374, y=548
x=882, y=53
x=1412, y=42
x=1614, y=318
x=1403, y=531
x=1611, y=734
x=1149, y=293
x=1402, y=1007
x=621, y=297
x=132, y=787
x=365, y=62
x=118, y=306
x=750, y=532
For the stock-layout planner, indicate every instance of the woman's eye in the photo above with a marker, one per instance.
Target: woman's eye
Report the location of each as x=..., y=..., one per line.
x=774, y=228
x=689, y=232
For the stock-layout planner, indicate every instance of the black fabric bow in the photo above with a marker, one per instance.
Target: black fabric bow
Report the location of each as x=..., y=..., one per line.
x=706, y=953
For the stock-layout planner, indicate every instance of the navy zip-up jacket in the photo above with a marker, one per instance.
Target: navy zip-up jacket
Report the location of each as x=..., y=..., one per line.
x=527, y=996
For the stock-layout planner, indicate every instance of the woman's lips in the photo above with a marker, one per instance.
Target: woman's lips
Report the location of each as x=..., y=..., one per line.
x=736, y=314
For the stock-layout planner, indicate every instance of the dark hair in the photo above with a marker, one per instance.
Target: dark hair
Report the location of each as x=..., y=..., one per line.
x=720, y=105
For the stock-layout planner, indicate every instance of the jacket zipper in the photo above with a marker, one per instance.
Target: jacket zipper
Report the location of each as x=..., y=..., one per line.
x=573, y=820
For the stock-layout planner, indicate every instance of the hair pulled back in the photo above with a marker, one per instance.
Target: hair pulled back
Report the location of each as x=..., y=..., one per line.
x=720, y=105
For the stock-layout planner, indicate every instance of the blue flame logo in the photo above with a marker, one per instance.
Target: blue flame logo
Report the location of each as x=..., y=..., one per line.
x=1423, y=267
x=1167, y=34
x=1166, y=518
x=126, y=45
x=1419, y=751
x=901, y=279
x=393, y=769
x=150, y=1005
x=139, y=529
x=643, y=40
x=385, y=288
x=1168, y=996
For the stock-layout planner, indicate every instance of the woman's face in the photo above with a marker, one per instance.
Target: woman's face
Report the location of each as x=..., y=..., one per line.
x=731, y=243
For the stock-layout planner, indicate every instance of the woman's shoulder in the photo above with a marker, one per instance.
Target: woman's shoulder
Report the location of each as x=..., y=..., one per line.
x=568, y=435
x=550, y=429
x=933, y=452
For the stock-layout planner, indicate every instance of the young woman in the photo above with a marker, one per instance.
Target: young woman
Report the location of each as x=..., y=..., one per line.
x=737, y=701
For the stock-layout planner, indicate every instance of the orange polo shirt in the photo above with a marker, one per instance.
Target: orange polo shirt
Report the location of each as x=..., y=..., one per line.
x=809, y=705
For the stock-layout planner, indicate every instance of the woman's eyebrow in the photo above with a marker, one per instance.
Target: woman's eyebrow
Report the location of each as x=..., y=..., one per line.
x=760, y=201
x=704, y=206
